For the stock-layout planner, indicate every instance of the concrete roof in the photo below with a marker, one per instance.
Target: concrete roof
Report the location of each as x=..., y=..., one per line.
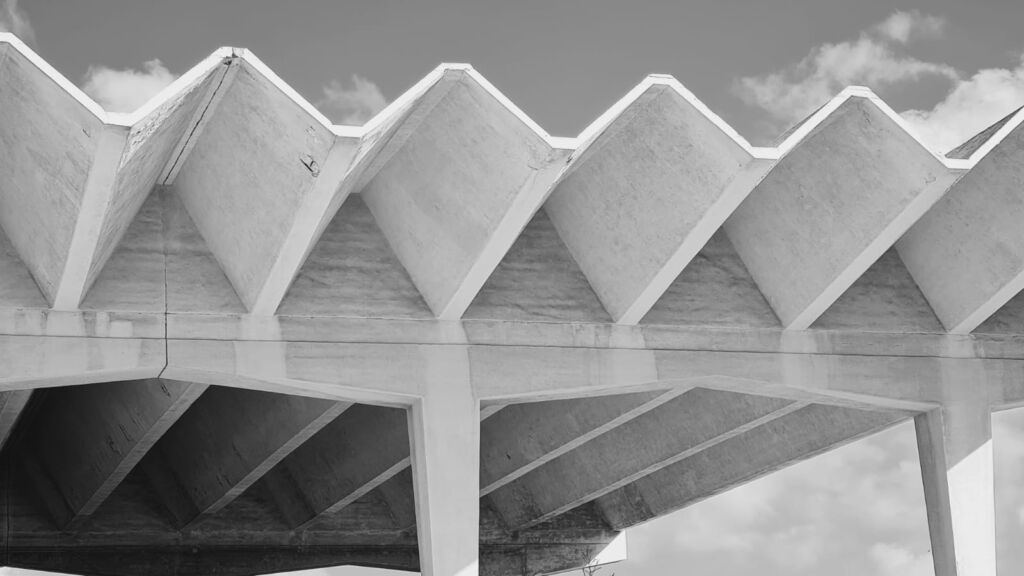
x=634, y=197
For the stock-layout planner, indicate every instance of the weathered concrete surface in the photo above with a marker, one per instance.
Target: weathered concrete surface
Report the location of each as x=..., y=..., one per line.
x=538, y=280
x=967, y=253
x=445, y=437
x=737, y=460
x=644, y=198
x=833, y=206
x=452, y=216
x=667, y=434
x=148, y=148
x=955, y=446
x=87, y=438
x=194, y=482
x=353, y=272
x=488, y=179
x=133, y=278
x=344, y=460
x=234, y=157
x=11, y=405
x=47, y=146
x=884, y=298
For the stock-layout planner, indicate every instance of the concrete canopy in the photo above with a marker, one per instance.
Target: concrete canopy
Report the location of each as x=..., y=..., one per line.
x=236, y=336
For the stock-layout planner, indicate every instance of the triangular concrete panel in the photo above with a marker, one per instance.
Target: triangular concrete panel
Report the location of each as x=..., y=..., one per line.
x=133, y=277
x=715, y=289
x=1009, y=319
x=352, y=271
x=538, y=279
x=885, y=298
x=17, y=287
x=195, y=280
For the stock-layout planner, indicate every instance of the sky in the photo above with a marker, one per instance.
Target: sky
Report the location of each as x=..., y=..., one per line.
x=949, y=67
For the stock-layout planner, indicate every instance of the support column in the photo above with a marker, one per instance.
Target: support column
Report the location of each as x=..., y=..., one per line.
x=444, y=427
x=955, y=447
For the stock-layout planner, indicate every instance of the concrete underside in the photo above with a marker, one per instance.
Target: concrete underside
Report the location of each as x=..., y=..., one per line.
x=238, y=339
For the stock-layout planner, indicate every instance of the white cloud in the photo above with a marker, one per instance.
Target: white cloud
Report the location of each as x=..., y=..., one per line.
x=893, y=560
x=903, y=26
x=874, y=58
x=125, y=90
x=878, y=58
x=13, y=19
x=355, y=104
x=971, y=106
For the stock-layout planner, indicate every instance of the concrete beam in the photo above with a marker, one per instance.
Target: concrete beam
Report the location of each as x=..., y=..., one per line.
x=522, y=437
x=92, y=211
x=343, y=461
x=802, y=434
x=833, y=205
x=676, y=430
x=226, y=442
x=444, y=427
x=955, y=447
x=371, y=373
x=490, y=172
x=251, y=184
x=967, y=253
x=892, y=383
x=86, y=439
x=646, y=192
x=47, y=150
x=49, y=361
x=318, y=207
x=156, y=136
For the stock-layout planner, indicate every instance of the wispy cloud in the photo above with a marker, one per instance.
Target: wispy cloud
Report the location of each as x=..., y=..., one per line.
x=125, y=90
x=972, y=105
x=876, y=58
x=352, y=104
x=13, y=19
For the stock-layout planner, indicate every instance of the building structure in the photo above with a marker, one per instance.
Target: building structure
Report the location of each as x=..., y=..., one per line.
x=236, y=338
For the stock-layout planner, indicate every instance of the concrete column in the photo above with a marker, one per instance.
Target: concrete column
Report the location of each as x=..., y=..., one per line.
x=445, y=437
x=955, y=447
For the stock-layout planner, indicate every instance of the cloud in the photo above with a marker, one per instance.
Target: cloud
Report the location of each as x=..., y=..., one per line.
x=971, y=106
x=355, y=104
x=875, y=58
x=902, y=26
x=126, y=90
x=13, y=19
x=857, y=510
x=895, y=560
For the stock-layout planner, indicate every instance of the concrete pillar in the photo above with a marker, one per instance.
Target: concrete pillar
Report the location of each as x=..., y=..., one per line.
x=445, y=437
x=955, y=447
